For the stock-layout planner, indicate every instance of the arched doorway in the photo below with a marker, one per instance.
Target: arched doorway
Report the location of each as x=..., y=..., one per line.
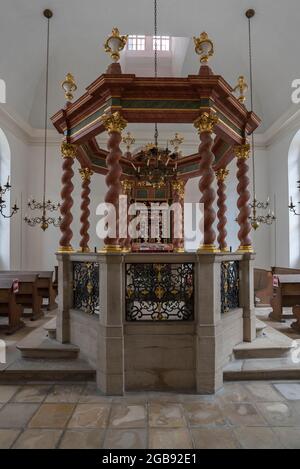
x=4, y=223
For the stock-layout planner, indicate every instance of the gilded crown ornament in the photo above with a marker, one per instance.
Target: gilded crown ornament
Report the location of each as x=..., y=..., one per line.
x=206, y=122
x=241, y=87
x=69, y=86
x=86, y=173
x=128, y=140
x=242, y=151
x=204, y=47
x=114, y=44
x=221, y=174
x=114, y=122
x=68, y=150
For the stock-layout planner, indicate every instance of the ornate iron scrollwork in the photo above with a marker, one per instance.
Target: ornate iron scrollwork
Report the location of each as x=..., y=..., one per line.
x=159, y=292
x=230, y=286
x=86, y=286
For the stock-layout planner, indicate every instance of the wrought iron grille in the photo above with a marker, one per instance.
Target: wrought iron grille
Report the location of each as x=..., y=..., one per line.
x=158, y=292
x=230, y=285
x=86, y=286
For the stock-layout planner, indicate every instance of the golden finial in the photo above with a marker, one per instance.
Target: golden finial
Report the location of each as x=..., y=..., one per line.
x=114, y=44
x=69, y=86
x=204, y=47
x=242, y=87
x=128, y=140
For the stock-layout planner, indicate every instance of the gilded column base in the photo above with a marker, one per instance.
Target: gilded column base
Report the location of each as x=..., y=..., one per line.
x=111, y=248
x=207, y=248
x=125, y=250
x=243, y=249
x=179, y=250
x=65, y=249
x=85, y=249
x=225, y=250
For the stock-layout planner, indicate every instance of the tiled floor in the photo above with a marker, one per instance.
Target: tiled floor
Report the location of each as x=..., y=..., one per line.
x=242, y=415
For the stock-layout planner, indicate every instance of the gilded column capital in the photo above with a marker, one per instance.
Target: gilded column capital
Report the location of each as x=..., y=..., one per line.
x=127, y=186
x=86, y=173
x=68, y=150
x=221, y=174
x=114, y=122
x=178, y=186
x=242, y=152
x=206, y=122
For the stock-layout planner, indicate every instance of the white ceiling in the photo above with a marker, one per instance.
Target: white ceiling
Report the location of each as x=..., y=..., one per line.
x=79, y=28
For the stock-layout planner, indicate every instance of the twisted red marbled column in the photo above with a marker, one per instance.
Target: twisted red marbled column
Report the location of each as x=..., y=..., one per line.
x=67, y=203
x=205, y=186
x=243, y=205
x=222, y=209
x=85, y=211
x=113, y=183
x=178, y=198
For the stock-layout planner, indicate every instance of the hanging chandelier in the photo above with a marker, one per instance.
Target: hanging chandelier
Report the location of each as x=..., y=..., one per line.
x=3, y=205
x=154, y=164
x=292, y=206
x=45, y=206
x=255, y=218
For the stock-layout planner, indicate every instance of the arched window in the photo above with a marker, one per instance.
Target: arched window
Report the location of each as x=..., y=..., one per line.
x=4, y=223
x=294, y=192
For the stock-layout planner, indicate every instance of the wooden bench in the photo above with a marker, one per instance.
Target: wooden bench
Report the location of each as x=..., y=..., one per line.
x=44, y=284
x=263, y=287
x=286, y=292
x=9, y=306
x=28, y=295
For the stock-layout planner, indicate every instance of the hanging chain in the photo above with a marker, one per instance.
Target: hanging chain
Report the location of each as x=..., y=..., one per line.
x=46, y=112
x=155, y=64
x=251, y=102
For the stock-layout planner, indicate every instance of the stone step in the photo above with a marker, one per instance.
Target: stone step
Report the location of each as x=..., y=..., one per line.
x=25, y=369
x=47, y=348
x=262, y=369
x=271, y=344
x=260, y=327
x=50, y=328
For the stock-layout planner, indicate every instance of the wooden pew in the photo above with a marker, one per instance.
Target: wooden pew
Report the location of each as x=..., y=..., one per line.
x=9, y=306
x=28, y=295
x=286, y=292
x=263, y=286
x=44, y=284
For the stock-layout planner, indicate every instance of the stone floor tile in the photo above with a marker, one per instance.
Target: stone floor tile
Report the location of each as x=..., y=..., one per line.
x=7, y=392
x=170, y=438
x=7, y=437
x=125, y=439
x=214, y=438
x=52, y=416
x=82, y=439
x=279, y=413
x=263, y=392
x=203, y=413
x=65, y=393
x=32, y=393
x=166, y=415
x=242, y=414
x=38, y=439
x=288, y=436
x=92, y=395
x=290, y=391
x=90, y=416
x=128, y=416
x=257, y=438
x=16, y=415
x=233, y=392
